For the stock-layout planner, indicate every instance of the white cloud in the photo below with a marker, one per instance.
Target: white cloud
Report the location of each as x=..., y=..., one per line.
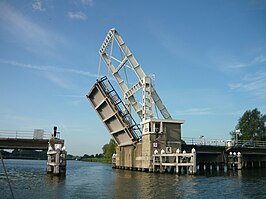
x=253, y=83
x=49, y=73
x=37, y=5
x=77, y=15
x=237, y=65
x=48, y=68
x=257, y=60
x=87, y=2
x=194, y=111
x=22, y=30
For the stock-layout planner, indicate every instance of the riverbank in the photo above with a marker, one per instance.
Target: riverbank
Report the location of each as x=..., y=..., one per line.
x=103, y=160
x=23, y=158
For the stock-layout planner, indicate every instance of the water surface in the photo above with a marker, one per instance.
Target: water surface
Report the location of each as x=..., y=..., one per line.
x=99, y=180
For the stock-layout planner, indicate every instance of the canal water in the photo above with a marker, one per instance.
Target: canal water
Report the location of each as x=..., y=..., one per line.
x=99, y=180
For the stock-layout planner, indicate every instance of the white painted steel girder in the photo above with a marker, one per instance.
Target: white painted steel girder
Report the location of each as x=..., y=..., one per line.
x=149, y=92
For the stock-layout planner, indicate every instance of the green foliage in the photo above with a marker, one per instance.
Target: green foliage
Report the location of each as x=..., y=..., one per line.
x=25, y=154
x=105, y=160
x=251, y=125
x=72, y=157
x=106, y=156
x=109, y=149
x=86, y=156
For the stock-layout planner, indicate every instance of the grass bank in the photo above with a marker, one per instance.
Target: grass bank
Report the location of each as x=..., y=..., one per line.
x=104, y=160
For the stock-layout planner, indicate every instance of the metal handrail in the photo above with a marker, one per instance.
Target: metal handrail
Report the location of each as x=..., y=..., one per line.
x=204, y=141
x=220, y=142
x=19, y=134
x=122, y=110
x=251, y=143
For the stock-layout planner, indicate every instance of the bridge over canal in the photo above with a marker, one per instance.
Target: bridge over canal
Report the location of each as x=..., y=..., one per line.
x=38, y=140
x=14, y=139
x=221, y=152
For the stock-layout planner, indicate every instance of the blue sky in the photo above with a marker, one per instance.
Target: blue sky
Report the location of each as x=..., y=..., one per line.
x=208, y=57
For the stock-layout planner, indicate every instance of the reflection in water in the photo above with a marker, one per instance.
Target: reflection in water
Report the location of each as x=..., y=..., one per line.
x=141, y=184
x=154, y=185
x=55, y=181
x=97, y=180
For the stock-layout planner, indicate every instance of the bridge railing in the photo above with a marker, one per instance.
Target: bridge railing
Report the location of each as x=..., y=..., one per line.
x=227, y=143
x=204, y=141
x=250, y=143
x=14, y=134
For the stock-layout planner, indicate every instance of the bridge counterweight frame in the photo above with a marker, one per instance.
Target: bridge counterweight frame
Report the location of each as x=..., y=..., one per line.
x=149, y=94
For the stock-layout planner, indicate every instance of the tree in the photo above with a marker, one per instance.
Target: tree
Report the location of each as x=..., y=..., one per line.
x=86, y=156
x=98, y=155
x=251, y=126
x=5, y=154
x=109, y=149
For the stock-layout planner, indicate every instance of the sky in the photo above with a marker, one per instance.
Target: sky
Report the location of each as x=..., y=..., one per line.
x=208, y=58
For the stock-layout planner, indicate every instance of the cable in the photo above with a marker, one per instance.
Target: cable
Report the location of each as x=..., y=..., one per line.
x=9, y=184
x=99, y=67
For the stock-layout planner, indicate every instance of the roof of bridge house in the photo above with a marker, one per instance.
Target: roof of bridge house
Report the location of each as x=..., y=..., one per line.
x=163, y=120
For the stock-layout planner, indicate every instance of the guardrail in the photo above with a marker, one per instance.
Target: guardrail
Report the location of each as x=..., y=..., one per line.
x=220, y=142
x=15, y=134
x=204, y=141
x=250, y=143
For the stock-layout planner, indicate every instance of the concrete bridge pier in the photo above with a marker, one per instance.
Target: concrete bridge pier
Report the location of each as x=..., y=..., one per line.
x=239, y=161
x=56, y=155
x=235, y=160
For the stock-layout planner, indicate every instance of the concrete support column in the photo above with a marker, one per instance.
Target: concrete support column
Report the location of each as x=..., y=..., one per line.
x=239, y=160
x=153, y=160
x=177, y=161
x=230, y=160
x=161, y=161
x=56, y=157
x=194, y=159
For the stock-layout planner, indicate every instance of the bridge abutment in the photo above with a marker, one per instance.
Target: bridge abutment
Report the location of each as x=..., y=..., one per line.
x=56, y=155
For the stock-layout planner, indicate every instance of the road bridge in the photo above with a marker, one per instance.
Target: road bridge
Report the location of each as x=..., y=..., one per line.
x=38, y=140
x=13, y=139
x=221, y=152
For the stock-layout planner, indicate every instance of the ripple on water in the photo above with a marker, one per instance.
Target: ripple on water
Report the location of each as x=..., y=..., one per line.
x=97, y=180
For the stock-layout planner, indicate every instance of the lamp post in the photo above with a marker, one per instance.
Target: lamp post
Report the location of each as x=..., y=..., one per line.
x=202, y=141
x=237, y=132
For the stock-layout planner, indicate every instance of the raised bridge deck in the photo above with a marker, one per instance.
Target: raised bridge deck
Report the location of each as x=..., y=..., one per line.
x=114, y=113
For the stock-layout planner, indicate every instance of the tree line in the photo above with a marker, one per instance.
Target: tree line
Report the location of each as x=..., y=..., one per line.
x=106, y=156
x=25, y=154
x=250, y=126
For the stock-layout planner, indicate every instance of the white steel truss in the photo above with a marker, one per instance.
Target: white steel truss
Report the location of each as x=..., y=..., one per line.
x=149, y=94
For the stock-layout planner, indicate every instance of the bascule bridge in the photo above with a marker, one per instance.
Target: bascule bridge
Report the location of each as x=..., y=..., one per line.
x=137, y=141
x=150, y=141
